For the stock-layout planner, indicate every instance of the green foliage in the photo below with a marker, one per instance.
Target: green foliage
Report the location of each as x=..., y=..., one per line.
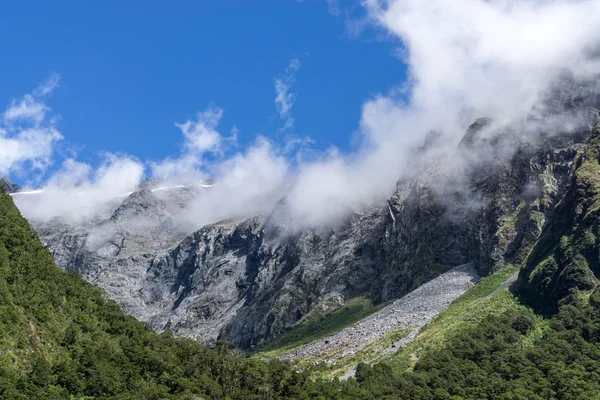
x=565, y=260
x=489, y=361
x=61, y=338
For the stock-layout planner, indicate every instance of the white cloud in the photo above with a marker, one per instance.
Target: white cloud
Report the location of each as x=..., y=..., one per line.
x=186, y=165
x=76, y=191
x=246, y=184
x=27, y=134
x=493, y=58
x=201, y=137
x=72, y=173
x=33, y=145
x=284, y=100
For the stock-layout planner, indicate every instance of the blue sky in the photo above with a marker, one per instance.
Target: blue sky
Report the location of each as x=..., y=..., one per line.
x=131, y=70
x=149, y=87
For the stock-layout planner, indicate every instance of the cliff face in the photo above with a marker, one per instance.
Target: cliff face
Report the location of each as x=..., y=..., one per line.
x=565, y=262
x=488, y=202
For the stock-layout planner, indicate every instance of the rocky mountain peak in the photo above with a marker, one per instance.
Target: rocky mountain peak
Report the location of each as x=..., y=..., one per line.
x=140, y=204
x=7, y=185
x=474, y=131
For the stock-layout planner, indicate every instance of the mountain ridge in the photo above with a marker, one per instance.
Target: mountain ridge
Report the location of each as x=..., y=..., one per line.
x=416, y=225
x=531, y=203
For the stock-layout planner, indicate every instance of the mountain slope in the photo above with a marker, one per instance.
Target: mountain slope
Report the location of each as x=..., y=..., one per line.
x=61, y=337
x=531, y=203
x=565, y=261
x=490, y=343
x=248, y=281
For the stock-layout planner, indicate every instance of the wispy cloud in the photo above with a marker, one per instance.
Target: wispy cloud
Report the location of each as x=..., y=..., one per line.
x=48, y=86
x=284, y=99
x=201, y=138
x=334, y=7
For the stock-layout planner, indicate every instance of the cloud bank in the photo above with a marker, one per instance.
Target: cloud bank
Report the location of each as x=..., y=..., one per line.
x=474, y=57
x=493, y=56
x=77, y=192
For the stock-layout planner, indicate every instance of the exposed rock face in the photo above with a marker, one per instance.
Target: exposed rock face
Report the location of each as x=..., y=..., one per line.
x=247, y=281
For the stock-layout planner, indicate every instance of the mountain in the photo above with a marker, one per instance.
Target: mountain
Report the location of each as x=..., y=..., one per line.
x=61, y=338
x=248, y=281
x=476, y=279
x=8, y=186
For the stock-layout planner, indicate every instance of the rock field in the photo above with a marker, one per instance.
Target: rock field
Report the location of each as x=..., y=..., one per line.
x=414, y=310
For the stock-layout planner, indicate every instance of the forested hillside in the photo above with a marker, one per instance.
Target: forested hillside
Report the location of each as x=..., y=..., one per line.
x=546, y=342
x=61, y=337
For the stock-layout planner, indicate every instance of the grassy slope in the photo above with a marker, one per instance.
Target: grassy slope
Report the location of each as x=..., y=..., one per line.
x=486, y=298
x=468, y=310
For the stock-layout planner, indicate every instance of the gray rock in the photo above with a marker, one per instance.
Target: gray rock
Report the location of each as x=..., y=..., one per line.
x=414, y=310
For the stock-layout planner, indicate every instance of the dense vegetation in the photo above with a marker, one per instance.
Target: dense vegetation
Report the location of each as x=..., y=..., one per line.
x=60, y=337
x=495, y=361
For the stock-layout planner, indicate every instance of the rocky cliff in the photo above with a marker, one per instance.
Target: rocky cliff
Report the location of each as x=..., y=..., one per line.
x=486, y=201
